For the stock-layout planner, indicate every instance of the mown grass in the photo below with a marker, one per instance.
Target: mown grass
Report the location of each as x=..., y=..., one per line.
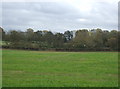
x=59, y=69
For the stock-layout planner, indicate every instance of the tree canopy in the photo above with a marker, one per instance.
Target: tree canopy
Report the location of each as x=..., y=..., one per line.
x=88, y=40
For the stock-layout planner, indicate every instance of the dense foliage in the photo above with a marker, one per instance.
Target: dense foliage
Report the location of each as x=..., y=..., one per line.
x=81, y=40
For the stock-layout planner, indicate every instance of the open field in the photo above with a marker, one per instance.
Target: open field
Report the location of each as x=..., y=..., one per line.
x=59, y=69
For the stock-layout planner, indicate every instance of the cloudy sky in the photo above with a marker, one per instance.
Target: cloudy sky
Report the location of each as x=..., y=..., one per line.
x=60, y=15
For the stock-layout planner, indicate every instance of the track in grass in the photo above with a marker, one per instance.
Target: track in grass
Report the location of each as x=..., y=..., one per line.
x=59, y=69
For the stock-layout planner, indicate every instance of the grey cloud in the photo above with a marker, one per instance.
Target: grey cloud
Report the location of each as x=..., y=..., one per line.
x=57, y=16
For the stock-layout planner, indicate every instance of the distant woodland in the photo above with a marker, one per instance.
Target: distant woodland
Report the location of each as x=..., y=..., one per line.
x=79, y=40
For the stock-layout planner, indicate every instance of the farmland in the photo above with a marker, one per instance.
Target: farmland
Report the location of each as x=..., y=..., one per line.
x=59, y=69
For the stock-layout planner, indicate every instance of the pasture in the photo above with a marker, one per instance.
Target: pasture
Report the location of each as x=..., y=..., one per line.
x=59, y=69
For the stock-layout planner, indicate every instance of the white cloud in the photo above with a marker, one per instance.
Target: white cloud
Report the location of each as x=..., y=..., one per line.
x=81, y=20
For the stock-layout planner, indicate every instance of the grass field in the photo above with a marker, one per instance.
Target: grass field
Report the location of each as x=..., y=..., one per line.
x=59, y=69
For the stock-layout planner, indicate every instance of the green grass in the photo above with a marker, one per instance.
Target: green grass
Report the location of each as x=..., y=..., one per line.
x=59, y=69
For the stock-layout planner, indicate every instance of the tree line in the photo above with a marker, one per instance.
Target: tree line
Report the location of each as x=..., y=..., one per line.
x=79, y=40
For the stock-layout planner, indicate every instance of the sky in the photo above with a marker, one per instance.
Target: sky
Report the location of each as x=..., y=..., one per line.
x=59, y=15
